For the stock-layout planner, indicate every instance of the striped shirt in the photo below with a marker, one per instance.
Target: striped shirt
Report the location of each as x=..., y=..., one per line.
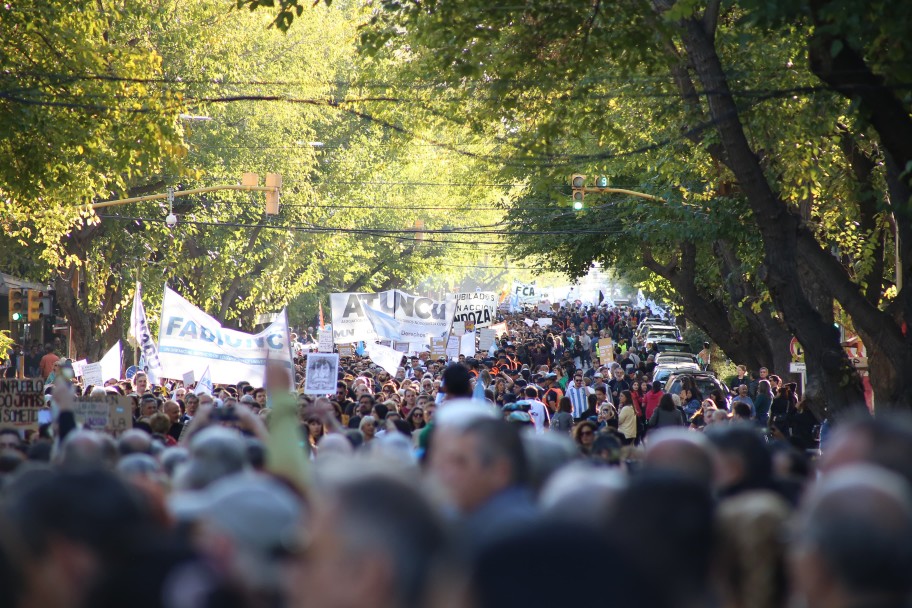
x=579, y=398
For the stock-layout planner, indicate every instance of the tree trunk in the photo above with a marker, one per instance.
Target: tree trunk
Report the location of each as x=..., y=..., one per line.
x=825, y=358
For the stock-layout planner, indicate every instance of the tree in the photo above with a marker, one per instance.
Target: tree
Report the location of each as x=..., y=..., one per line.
x=629, y=84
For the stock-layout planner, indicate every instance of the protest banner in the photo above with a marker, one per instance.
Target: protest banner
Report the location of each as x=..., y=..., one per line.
x=326, y=341
x=322, y=374
x=346, y=350
x=402, y=347
x=524, y=292
x=189, y=378
x=416, y=318
x=20, y=403
x=112, y=413
x=191, y=339
x=544, y=306
x=543, y=322
x=529, y=322
x=140, y=336
x=605, y=350
x=477, y=309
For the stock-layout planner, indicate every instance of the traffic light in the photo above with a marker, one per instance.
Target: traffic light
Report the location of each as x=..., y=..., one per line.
x=577, y=183
x=16, y=306
x=578, y=196
x=35, y=305
x=273, y=180
x=601, y=182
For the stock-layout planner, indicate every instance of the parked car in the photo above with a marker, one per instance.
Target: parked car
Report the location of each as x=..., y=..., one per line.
x=705, y=381
x=674, y=358
x=672, y=345
x=662, y=372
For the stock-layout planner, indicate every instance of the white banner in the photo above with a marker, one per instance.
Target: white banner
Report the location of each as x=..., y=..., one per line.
x=524, y=292
x=140, y=336
x=189, y=339
x=417, y=318
x=478, y=308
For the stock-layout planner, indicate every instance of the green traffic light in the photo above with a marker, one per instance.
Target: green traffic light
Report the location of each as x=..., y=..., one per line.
x=17, y=316
x=578, y=205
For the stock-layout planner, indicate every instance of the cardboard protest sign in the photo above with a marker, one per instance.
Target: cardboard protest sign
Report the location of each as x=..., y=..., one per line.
x=438, y=348
x=346, y=350
x=189, y=378
x=543, y=322
x=476, y=309
x=20, y=402
x=112, y=413
x=459, y=328
x=605, y=350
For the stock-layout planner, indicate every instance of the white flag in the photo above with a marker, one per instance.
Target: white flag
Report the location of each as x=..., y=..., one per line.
x=140, y=336
x=205, y=383
x=111, y=364
x=387, y=358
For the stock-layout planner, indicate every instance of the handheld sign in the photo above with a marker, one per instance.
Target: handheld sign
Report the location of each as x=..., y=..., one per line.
x=20, y=402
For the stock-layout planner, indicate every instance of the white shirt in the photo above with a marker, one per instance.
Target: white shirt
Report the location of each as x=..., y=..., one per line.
x=539, y=414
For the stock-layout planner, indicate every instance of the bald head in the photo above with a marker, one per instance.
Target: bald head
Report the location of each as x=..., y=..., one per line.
x=680, y=451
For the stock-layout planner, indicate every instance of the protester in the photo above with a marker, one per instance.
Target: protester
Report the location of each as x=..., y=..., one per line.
x=413, y=487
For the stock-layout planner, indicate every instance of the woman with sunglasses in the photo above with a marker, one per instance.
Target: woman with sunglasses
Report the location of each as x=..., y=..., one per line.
x=584, y=435
x=416, y=419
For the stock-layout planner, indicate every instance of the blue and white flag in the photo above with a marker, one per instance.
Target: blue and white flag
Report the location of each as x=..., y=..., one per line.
x=140, y=336
x=385, y=326
x=205, y=384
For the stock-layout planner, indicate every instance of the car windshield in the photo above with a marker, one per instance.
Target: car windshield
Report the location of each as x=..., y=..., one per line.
x=706, y=385
x=680, y=347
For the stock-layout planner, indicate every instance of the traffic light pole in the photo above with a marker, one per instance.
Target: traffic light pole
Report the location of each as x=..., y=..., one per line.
x=607, y=190
x=159, y=197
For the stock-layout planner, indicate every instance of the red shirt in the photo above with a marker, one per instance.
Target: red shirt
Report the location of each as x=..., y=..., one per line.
x=651, y=399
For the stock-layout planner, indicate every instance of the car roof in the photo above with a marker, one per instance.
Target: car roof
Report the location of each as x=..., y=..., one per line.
x=682, y=367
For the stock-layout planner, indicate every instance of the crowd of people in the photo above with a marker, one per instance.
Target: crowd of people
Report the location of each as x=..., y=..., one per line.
x=533, y=474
